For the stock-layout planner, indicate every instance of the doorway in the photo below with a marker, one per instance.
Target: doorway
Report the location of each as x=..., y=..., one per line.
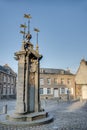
x=84, y=92
x=56, y=92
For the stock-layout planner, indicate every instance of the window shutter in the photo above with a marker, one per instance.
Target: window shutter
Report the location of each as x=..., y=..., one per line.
x=45, y=91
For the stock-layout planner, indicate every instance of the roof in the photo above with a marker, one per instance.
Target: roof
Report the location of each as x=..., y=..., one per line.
x=7, y=69
x=3, y=69
x=55, y=71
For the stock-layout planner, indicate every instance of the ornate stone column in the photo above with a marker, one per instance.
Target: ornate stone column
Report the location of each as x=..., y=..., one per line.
x=37, y=99
x=20, y=104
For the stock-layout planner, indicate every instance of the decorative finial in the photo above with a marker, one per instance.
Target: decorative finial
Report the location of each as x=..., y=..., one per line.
x=28, y=16
x=28, y=35
x=23, y=32
x=37, y=47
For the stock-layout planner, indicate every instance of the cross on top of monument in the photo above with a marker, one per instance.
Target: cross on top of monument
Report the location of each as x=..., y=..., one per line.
x=27, y=35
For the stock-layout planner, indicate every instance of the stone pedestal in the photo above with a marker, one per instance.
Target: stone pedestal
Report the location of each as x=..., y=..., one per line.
x=28, y=80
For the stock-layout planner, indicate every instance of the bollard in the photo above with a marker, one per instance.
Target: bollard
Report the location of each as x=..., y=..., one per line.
x=5, y=109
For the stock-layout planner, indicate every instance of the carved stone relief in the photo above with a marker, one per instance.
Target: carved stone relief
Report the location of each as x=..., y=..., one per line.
x=32, y=79
x=33, y=65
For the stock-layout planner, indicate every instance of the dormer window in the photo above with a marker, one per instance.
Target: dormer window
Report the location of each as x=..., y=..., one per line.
x=62, y=71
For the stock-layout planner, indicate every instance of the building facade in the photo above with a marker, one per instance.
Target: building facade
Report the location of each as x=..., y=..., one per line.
x=57, y=83
x=7, y=82
x=81, y=80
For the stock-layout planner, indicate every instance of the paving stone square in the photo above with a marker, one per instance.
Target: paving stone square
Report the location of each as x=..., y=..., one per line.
x=67, y=115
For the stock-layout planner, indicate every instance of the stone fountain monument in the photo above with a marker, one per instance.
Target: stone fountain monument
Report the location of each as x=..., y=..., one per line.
x=28, y=110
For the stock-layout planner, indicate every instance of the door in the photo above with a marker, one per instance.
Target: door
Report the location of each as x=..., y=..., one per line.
x=84, y=92
x=56, y=93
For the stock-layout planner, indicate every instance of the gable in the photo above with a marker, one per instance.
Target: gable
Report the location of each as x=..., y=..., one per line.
x=81, y=75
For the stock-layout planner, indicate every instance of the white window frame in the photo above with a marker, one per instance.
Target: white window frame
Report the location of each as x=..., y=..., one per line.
x=44, y=90
x=41, y=91
x=66, y=89
x=41, y=81
x=8, y=90
x=48, y=90
x=4, y=89
x=12, y=80
x=55, y=81
x=12, y=91
x=51, y=90
x=48, y=81
x=8, y=79
x=62, y=80
x=62, y=90
x=4, y=78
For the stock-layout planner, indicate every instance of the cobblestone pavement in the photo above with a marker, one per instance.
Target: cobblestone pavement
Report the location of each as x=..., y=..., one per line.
x=67, y=116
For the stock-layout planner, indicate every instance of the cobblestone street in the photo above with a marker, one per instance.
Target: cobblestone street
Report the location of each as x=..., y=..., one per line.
x=67, y=116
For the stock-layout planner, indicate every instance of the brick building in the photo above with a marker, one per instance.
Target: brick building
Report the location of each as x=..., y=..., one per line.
x=56, y=83
x=7, y=82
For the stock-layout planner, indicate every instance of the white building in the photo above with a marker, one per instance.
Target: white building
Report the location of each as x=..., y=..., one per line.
x=81, y=80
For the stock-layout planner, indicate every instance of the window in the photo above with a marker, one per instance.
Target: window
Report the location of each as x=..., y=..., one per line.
x=45, y=91
x=49, y=81
x=42, y=71
x=11, y=90
x=66, y=90
x=41, y=90
x=4, y=90
x=68, y=81
x=4, y=78
x=12, y=80
x=55, y=81
x=0, y=88
x=62, y=71
x=0, y=78
x=48, y=91
x=62, y=80
x=8, y=90
x=8, y=79
x=41, y=81
x=62, y=90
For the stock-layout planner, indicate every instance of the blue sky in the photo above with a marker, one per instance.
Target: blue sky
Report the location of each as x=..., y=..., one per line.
x=63, y=31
